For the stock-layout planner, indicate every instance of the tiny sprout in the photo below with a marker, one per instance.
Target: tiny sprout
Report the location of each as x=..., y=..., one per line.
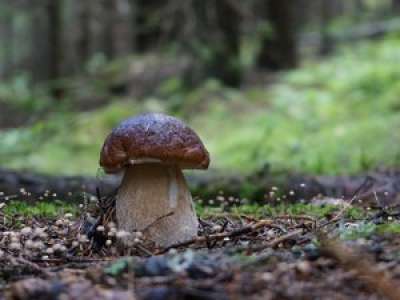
x=211, y=201
x=1, y=193
x=54, y=195
x=81, y=205
x=227, y=239
x=93, y=199
x=291, y=193
x=68, y=215
x=274, y=188
x=302, y=185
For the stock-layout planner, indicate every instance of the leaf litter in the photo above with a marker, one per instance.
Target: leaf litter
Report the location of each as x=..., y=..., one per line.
x=235, y=256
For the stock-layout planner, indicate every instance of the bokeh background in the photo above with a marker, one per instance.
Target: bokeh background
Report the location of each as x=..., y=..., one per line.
x=311, y=86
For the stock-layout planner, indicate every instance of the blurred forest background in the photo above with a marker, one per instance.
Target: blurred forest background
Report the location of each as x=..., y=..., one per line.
x=308, y=85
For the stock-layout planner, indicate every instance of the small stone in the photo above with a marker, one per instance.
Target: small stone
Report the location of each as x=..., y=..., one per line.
x=15, y=246
x=304, y=267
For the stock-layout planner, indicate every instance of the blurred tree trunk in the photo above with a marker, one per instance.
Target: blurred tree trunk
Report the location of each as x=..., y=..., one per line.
x=148, y=24
x=109, y=12
x=396, y=6
x=226, y=61
x=122, y=28
x=214, y=41
x=84, y=34
x=326, y=16
x=279, y=47
x=54, y=14
x=55, y=39
x=6, y=35
x=117, y=29
x=40, y=66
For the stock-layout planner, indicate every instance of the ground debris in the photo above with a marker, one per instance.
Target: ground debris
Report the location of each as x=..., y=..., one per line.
x=366, y=270
x=56, y=289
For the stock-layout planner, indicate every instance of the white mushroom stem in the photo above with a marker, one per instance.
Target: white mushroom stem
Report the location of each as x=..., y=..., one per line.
x=154, y=199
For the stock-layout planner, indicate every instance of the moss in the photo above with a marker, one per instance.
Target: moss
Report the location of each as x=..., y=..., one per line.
x=267, y=210
x=38, y=209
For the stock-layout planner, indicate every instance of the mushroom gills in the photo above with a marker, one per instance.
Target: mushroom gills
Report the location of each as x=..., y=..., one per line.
x=154, y=198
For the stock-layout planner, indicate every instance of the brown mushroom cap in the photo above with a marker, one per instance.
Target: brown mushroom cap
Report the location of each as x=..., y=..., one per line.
x=153, y=137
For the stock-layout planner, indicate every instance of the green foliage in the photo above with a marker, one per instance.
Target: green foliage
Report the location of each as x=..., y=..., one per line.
x=38, y=209
x=357, y=230
x=393, y=228
x=119, y=266
x=20, y=94
x=337, y=116
x=268, y=210
x=366, y=229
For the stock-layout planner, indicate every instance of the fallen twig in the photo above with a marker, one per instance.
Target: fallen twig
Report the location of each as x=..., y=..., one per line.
x=220, y=236
x=278, y=240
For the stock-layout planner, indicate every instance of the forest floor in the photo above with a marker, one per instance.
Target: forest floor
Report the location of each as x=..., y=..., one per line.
x=279, y=243
x=321, y=249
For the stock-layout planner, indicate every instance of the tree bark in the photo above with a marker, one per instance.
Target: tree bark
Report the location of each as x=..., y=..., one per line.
x=84, y=39
x=7, y=35
x=326, y=39
x=147, y=24
x=279, y=48
x=55, y=38
x=109, y=12
x=226, y=63
x=396, y=6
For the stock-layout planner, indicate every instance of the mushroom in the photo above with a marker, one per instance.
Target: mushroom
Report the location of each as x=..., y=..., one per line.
x=153, y=198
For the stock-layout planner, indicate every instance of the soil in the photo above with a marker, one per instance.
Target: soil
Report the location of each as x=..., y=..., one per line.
x=234, y=257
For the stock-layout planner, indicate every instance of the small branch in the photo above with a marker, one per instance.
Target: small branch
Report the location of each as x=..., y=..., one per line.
x=18, y=261
x=367, y=183
x=277, y=241
x=220, y=236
